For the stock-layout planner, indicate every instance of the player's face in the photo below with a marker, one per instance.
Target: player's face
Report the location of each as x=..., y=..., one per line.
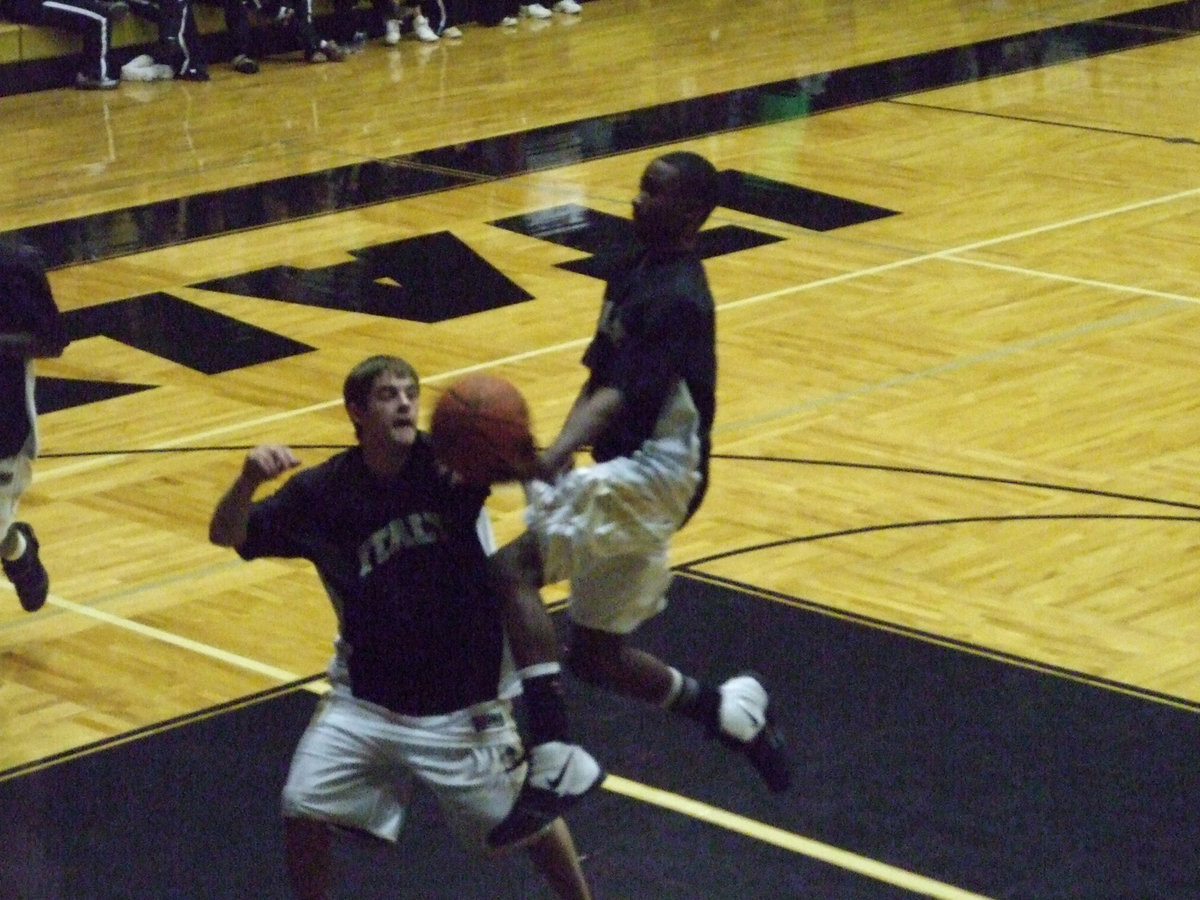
x=661, y=214
x=389, y=417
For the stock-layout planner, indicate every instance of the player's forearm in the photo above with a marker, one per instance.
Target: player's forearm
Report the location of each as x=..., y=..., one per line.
x=228, y=525
x=588, y=418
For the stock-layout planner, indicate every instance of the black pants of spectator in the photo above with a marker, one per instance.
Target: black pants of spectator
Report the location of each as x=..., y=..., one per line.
x=352, y=19
x=237, y=22
x=178, y=36
x=493, y=12
x=91, y=19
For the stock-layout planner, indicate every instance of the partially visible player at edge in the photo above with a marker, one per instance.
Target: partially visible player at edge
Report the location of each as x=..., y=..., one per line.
x=646, y=410
x=30, y=328
x=399, y=545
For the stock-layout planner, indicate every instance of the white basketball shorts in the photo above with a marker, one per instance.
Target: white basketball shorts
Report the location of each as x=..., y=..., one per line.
x=606, y=527
x=355, y=763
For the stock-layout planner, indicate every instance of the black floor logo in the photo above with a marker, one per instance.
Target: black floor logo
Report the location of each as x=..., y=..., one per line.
x=429, y=278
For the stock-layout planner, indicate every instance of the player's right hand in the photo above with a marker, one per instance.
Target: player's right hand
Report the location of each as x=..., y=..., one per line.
x=268, y=461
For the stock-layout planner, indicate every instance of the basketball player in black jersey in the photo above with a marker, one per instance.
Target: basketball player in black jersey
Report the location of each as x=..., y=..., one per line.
x=646, y=411
x=30, y=328
x=399, y=545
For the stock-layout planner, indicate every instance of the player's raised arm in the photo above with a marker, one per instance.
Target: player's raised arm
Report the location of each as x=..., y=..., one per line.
x=265, y=462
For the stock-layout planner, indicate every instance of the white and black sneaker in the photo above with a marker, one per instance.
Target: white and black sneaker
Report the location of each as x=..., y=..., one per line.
x=558, y=776
x=422, y=30
x=747, y=725
x=26, y=572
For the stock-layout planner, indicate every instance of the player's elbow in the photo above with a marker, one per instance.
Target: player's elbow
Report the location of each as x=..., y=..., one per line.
x=224, y=535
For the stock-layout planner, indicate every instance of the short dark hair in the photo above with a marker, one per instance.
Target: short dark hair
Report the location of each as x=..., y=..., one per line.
x=356, y=389
x=698, y=178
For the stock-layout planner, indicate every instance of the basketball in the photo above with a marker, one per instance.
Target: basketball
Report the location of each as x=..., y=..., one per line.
x=481, y=430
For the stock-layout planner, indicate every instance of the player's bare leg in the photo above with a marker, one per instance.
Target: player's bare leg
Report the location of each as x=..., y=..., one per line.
x=553, y=854
x=307, y=844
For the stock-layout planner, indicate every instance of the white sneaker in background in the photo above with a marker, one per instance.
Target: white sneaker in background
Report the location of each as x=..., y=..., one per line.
x=422, y=30
x=391, y=32
x=452, y=31
x=144, y=68
x=535, y=11
x=570, y=7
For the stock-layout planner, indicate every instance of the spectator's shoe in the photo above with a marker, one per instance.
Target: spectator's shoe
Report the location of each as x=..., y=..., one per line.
x=391, y=32
x=422, y=30
x=26, y=572
x=557, y=777
x=326, y=51
x=87, y=82
x=453, y=32
x=245, y=64
x=535, y=11
x=144, y=68
x=747, y=725
x=193, y=73
x=509, y=21
x=570, y=7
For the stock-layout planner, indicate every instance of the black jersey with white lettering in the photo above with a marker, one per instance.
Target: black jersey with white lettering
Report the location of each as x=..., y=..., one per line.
x=657, y=324
x=404, y=567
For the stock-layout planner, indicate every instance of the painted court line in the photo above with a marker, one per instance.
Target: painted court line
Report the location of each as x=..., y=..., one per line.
x=168, y=637
x=1072, y=279
x=843, y=859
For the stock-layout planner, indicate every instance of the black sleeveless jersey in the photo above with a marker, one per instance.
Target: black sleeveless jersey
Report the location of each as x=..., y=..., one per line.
x=657, y=324
x=403, y=565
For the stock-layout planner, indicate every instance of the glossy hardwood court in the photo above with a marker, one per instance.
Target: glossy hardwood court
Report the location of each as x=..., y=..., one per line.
x=957, y=279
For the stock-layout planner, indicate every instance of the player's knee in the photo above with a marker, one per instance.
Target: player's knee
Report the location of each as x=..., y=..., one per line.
x=518, y=563
x=528, y=560
x=588, y=667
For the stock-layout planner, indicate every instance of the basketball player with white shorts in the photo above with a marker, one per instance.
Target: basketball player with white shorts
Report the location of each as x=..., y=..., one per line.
x=30, y=327
x=417, y=694
x=646, y=413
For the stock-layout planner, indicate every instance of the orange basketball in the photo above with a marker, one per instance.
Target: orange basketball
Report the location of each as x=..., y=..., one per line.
x=481, y=430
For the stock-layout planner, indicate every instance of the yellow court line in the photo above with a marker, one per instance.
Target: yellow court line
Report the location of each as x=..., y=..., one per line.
x=769, y=834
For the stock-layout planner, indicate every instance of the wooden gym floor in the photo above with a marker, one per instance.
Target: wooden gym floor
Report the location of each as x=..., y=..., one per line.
x=957, y=280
